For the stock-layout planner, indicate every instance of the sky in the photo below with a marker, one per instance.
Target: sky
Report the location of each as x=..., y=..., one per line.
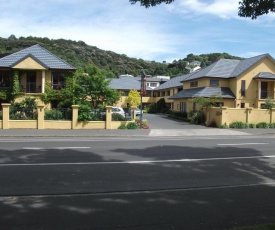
x=161, y=33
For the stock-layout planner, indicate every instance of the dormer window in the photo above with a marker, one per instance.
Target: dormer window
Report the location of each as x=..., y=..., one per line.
x=193, y=84
x=214, y=82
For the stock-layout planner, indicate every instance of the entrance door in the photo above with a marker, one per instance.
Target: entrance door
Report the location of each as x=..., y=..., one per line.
x=31, y=82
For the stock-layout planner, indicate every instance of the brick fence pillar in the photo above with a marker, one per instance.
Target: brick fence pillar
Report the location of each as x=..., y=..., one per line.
x=40, y=119
x=74, y=116
x=108, y=117
x=5, y=115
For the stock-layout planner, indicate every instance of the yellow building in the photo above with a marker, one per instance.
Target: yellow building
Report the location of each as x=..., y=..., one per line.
x=34, y=67
x=238, y=83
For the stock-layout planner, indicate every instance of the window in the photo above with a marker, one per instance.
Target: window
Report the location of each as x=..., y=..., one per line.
x=264, y=91
x=243, y=88
x=242, y=105
x=58, y=79
x=218, y=104
x=153, y=84
x=182, y=107
x=5, y=79
x=193, y=84
x=124, y=93
x=214, y=82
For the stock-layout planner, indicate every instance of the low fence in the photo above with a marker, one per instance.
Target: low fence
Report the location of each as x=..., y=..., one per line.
x=42, y=123
x=224, y=115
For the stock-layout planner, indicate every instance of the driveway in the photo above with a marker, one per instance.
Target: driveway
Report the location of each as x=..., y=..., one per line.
x=162, y=121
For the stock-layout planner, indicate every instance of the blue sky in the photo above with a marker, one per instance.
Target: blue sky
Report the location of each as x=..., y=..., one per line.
x=162, y=33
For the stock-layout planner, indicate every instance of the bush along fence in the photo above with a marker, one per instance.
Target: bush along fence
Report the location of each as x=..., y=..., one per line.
x=41, y=123
x=240, y=118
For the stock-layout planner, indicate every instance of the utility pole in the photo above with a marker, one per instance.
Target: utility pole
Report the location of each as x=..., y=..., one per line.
x=142, y=92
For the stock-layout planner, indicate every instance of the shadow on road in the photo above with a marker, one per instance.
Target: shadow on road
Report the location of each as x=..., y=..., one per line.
x=201, y=194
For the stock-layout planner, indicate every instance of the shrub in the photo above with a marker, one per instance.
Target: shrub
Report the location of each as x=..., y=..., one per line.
x=132, y=125
x=24, y=110
x=238, y=125
x=224, y=126
x=143, y=124
x=84, y=113
x=118, y=117
x=122, y=127
x=253, y=126
x=272, y=125
x=181, y=114
x=197, y=117
x=53, y=114
x=161, y=106
x=152, y=109
x=262, y=125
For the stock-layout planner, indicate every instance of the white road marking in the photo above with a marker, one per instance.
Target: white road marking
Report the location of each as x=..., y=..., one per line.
x=138, y=162
x=243, y=144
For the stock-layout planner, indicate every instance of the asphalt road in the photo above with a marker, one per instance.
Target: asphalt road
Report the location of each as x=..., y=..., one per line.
x=137, y=183
x=162, y=121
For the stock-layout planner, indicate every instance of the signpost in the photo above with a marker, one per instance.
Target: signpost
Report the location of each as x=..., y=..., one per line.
x=142, y=92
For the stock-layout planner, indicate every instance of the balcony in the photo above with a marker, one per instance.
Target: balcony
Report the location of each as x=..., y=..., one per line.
x=264, y=94
x=31, y=88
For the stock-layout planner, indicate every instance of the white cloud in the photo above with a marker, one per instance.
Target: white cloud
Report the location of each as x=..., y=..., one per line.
x=164, y=32
x=220, y=8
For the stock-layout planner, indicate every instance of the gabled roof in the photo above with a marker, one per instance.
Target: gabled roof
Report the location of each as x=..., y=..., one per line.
x=265, y=75
x=228, y=68
x=39, y=54
x=223, y=92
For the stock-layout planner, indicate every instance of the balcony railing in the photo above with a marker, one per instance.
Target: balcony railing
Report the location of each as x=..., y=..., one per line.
x=31, y=88
x=266, y=94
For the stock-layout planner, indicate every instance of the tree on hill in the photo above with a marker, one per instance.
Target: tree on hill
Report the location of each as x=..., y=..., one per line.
x=247, y=8
x=80, y=55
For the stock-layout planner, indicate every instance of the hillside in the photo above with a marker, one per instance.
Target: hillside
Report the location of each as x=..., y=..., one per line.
x=79, y=54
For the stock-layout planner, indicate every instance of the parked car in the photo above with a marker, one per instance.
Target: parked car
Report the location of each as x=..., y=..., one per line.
x=118, y=110
x=138, y=112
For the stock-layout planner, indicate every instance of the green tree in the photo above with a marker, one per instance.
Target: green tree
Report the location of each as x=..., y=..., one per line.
x=95, y=87
x=247, y=8
x=133, y=98
x=205, y=102
x=269, y=103
x=148, y=3
x=255, y=8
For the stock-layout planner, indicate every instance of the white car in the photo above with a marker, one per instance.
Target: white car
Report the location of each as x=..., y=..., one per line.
x=118, y=110
x=138, y=112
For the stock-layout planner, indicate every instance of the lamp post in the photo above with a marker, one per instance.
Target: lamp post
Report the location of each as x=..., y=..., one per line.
x=142, y=92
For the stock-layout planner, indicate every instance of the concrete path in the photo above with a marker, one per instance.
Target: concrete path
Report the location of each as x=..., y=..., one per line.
x=196, y=132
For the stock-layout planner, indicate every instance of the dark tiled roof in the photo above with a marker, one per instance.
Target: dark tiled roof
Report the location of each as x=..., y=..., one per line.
x=228, y=68
x=223, y=92
x=38, y=53
x=265, y=75
x=126, y=83
x=173, y=82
